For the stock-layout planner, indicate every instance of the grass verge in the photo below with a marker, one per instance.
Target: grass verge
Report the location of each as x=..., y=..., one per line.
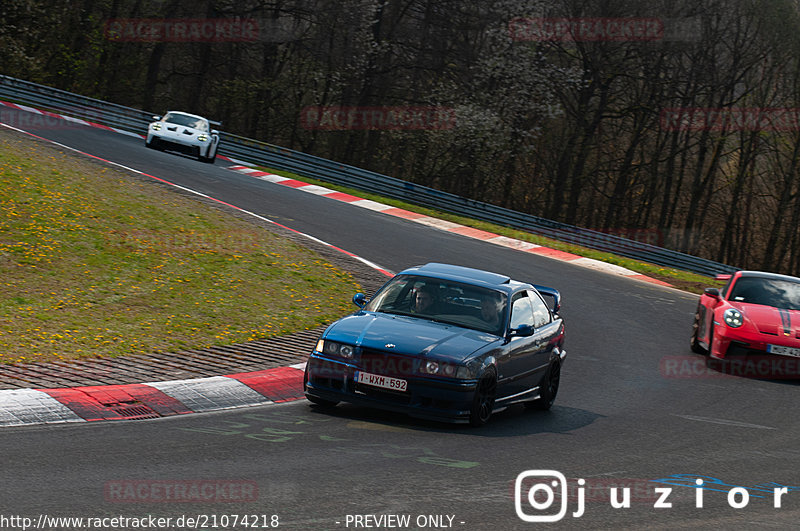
x=97, y=262
x=684, y=280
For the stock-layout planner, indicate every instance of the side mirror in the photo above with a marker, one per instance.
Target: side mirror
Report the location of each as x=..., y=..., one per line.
x=712, y=292
x=521, y=331
x=214, y=132
x=156, y=117
x=360, y=300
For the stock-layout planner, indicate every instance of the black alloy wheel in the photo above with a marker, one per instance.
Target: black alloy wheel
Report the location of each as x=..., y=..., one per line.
x=483, y=401
x=550, y=385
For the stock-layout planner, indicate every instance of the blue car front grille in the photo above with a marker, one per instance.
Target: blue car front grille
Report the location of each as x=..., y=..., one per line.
x=388, y=364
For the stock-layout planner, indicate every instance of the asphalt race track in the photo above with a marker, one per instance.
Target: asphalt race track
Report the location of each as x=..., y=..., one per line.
x=636, y=410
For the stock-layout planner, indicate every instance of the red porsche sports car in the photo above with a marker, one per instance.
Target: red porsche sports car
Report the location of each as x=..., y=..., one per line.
x=755, y=313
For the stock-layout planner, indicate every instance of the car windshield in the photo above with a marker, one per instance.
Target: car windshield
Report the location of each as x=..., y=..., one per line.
x=783, y=294
x=187, y=121
x=443, y=301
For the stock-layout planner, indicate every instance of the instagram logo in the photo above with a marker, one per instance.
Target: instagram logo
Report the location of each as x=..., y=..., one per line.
x=549, y=488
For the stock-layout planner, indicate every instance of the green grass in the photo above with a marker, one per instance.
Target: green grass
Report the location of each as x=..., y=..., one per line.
x=687, y=281
x=96, y=262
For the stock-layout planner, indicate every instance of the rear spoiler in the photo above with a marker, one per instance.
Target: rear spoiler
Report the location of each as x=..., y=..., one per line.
x=550, y=292
x=723, y=277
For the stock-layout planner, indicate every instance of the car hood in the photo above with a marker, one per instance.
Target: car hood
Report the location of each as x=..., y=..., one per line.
x=770, y=320
x=181, y=129
x=409, y=335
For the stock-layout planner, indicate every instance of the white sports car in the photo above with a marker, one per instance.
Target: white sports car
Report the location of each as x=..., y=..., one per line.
x=187, y=133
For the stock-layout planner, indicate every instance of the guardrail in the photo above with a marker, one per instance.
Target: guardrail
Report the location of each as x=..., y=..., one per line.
x=280, y=158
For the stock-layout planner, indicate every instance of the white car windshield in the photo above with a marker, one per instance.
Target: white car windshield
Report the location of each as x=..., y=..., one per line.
x=187, y=121
x=443, y=301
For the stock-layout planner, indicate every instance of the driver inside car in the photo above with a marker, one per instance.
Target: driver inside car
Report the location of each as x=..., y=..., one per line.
x=424, y=300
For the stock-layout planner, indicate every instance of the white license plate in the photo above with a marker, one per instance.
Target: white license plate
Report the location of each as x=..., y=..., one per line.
x=384, y=382
x=784, y=351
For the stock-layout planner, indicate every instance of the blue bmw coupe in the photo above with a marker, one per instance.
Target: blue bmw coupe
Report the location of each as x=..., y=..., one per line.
x=443, y=342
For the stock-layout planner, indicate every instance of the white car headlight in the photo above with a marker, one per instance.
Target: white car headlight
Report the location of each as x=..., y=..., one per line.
x=733, y=318
x=202, y=138
x=156, y=126
x=335, y=349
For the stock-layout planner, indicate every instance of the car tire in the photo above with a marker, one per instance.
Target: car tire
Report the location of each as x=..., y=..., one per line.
x=207, y=160
x=152, y=144
x=483, y=400
x=695, y=345
x=550, y=383
x=212, y=155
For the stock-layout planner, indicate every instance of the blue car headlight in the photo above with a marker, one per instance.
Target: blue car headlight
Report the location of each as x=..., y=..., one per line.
x=733, y=318
x=333, y=348
x=448, y=370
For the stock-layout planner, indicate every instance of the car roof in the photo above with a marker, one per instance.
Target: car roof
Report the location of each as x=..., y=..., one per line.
x=468, y=275
x=765, y=274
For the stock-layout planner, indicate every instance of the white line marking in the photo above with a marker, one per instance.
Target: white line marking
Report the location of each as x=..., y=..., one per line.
x=725, y=422
x=189, y=190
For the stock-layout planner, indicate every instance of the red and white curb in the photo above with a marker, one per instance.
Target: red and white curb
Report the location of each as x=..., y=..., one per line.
x=150, y=400
x=444, y=225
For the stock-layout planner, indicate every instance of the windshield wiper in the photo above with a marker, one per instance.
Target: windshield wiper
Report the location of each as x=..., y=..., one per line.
x=397, y=312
